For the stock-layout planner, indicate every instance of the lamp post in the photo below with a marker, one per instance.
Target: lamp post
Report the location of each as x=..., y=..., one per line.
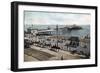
x=57, y=34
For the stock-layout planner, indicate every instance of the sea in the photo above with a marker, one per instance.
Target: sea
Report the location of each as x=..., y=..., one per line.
x=62, y=30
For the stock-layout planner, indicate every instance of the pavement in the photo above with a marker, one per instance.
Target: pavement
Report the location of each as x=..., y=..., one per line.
x=43, y=54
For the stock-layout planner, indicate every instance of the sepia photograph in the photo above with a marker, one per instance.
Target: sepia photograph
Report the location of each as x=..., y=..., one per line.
x=52, y=36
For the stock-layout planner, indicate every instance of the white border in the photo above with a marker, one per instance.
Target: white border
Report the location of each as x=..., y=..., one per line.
x=22, y=64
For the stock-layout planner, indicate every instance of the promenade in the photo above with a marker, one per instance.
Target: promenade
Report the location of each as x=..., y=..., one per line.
x=35, y=53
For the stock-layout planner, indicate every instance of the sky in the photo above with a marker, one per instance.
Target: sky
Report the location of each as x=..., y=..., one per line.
x=53, y=18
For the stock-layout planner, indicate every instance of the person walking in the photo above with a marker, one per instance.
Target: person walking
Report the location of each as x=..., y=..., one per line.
x=62, y=57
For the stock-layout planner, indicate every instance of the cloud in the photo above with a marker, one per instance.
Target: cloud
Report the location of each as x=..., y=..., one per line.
x=44, y=18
